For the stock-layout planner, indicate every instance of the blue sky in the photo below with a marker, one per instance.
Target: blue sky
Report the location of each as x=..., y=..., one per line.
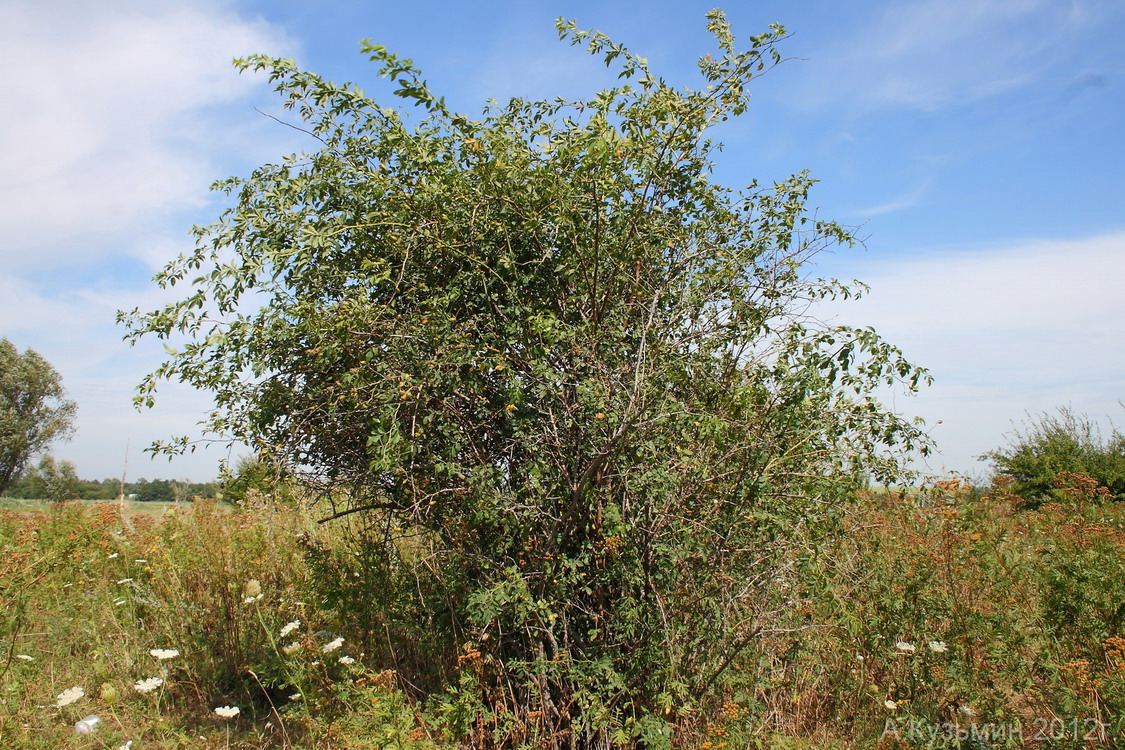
x=977, y=144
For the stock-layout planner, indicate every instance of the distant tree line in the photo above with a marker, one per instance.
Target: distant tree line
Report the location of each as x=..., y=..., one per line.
x=57, y=480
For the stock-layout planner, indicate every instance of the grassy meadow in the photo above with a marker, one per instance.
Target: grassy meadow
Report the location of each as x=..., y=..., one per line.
x=935, y=619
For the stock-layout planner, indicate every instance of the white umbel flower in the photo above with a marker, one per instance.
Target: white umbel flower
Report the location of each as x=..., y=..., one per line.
x=70, y=695
x=147, y=686
x=227, y=712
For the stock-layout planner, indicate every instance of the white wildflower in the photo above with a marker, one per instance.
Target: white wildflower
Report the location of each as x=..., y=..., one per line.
x=290, y=627
x=295, y=697
x=346, y=660
x=291, y=649
x=331, y=646
x=25, y=657
x=890, y=704
x=905, y=648
x=69, y=696
x=125, y=580
x=147, y=686
x=227, y=712
x=938, y=647
x=164, y=653
x=115, y=554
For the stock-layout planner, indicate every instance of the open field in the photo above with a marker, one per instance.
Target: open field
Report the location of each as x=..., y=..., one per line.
x=925, y=616
x=132, y=507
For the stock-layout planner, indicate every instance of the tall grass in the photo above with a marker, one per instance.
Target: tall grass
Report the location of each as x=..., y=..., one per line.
x=933, y=613
x=952, y=616
x=93, y=600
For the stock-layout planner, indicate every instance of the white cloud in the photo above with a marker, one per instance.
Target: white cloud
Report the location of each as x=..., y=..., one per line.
x=120, y=116
x=113, y=118
x=1006, y=331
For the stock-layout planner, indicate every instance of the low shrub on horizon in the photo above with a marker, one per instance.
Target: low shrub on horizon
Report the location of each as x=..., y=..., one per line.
x=1060, y=457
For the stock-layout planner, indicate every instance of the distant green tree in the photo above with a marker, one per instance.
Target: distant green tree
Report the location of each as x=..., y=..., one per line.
x=95, y=489
x=34, y=410
x=1051, y=452
x=155, y=491
x=48, y=480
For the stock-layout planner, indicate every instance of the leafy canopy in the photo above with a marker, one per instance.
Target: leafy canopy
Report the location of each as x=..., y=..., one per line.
x=544, y=346
x=34, y=410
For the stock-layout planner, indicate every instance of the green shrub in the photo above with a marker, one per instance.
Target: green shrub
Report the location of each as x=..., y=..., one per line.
x=255, y=478
x=570, y=378
x=1055, y=458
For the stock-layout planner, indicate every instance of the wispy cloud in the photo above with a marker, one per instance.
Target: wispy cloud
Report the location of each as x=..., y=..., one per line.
x=907, y=199
x=935, y=54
